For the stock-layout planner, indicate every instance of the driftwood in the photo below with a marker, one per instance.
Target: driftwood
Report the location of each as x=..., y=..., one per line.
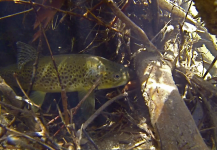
x=171, y=119
x=14, y=106
x=175, y=10
x=9, y=96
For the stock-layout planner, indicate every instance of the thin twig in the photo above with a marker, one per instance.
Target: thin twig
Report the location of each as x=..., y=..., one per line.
x=155, y=14
x=161, y=31
x=19, y=13
x=68, y=13
x=61, y=116
x=95, y=84
x=90, y=139
x=211, y=114
x=51, y=121
x=35, y=66
x=187, y=13
x=28, y=137
x=58, y=130
x=93, y=116
x=86, y=48
x=50, y=7
x=18, y=109
x=45, y=133
x=210, y=66
x=63, y=92
x=123, y=8
x=181, y=47
x=92, y=9
x=136, y=29
x=18, y=83
x=10, y=95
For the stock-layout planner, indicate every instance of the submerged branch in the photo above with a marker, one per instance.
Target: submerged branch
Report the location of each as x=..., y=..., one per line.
x=10, y=96
x=95, y=84
x=14, y=106
x=63, y=92
x=92, y=117
x=136, y=29
x=19, y=13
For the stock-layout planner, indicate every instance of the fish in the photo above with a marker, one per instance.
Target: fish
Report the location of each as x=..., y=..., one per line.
x=77, y=72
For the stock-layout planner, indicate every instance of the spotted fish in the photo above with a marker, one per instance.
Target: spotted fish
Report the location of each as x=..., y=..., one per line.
x=77, y=72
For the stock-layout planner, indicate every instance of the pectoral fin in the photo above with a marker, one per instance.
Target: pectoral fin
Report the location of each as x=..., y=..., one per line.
x=37, y=97
x=88, y=106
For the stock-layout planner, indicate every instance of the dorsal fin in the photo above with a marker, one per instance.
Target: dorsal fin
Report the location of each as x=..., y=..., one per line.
x=25, y=54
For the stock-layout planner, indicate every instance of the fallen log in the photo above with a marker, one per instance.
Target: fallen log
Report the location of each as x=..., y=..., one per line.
x=171, y=119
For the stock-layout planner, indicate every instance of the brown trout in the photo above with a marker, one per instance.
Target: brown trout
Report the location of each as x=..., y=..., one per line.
x=78, y=72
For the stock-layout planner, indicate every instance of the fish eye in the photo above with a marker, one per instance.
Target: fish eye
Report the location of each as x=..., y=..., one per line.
x=116, y=76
